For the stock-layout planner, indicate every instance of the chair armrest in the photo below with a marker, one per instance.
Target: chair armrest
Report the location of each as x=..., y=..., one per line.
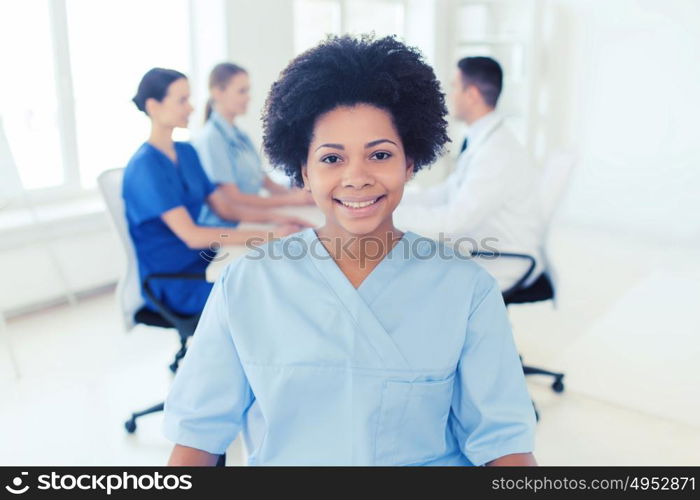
x=518, y=285
x=164, y=310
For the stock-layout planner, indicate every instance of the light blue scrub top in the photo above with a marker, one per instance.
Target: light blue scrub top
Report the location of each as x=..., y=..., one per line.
x=417, y=366
x=228, y=156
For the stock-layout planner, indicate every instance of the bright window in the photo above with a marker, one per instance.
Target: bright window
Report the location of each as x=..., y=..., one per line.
x=112, y=44
x=382, y=17
x=69, y=71
x=313, y=20
x=28, y=100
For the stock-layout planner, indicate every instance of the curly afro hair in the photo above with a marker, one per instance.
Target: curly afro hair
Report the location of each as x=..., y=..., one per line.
x=345, y=71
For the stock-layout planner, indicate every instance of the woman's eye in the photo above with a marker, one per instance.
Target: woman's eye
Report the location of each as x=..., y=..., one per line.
x=330, y=159
x=381, y=155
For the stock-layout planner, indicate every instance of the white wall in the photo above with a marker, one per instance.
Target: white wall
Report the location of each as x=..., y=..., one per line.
x=52, y=260
x=261, y=39
x=621, y=85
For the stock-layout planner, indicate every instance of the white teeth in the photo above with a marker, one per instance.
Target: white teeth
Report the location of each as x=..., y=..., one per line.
x=358, y=204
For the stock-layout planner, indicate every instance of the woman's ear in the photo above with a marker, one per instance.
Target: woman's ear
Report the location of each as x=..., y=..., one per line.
x=150, y=106
x=409, y=169
x=305, y=178
x=216, y=93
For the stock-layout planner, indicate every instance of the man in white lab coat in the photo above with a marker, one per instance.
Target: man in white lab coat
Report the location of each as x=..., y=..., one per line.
x=490, y=200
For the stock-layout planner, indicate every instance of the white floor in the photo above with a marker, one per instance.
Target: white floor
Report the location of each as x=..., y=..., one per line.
x=626, y=332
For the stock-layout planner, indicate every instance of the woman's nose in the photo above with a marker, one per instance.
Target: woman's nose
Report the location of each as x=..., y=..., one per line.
x=356, y=174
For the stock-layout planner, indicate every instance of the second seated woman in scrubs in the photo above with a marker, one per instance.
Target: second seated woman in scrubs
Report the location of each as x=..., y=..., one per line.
x=164, y=189
x=355, y=343
x=227, y=153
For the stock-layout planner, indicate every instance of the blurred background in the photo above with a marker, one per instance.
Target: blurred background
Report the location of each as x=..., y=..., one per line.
x=613, y=83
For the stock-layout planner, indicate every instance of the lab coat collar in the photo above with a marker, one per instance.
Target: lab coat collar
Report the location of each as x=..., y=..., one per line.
x=482, y=127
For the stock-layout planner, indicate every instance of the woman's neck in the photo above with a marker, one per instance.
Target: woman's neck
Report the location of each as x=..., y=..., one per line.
x=226, y=115
x=357, y=256
x=162, y=137
x=362, y=249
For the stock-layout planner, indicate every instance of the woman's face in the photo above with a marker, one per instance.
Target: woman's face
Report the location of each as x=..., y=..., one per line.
x=356, y=168
x=175, y=108
x=233, y=99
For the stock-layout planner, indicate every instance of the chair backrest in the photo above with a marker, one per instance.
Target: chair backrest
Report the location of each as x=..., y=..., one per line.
x=554, y=181
x=128, y=289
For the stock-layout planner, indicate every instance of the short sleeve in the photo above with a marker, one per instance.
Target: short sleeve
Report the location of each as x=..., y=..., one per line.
x=493, y=412
x=210, y=393
x=149, y=190
x=212, y=149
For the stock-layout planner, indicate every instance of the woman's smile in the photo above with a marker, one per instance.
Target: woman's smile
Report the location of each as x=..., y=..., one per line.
x=360, y=207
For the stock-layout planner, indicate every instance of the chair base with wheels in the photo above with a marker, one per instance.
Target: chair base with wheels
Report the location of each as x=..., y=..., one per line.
x=164, y=318
x=185, y=325
x=540, y=290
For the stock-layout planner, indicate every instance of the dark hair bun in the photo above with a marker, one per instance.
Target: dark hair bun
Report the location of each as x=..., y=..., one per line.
x=154, y=84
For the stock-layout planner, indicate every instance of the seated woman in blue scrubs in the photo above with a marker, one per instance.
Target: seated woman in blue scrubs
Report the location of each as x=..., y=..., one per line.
x=227, y=153
x=164, y=190
x=356, y=343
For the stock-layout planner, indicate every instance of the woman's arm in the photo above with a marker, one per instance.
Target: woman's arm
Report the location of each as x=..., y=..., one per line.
x=234, y=211
x=298, y=196
x=514, y=460
x=186, y=456
x=179, y=221
x=282, y=198
x=494, y=412
x=274, y=188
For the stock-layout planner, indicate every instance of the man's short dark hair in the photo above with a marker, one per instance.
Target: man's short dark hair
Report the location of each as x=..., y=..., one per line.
x=485, y=74
x=345, y=71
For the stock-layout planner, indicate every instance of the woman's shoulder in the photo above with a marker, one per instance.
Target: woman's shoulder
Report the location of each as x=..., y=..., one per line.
x=144, y=153
x=208, y=137
x=144, y=159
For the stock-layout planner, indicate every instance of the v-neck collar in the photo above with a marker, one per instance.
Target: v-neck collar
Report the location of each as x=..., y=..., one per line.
x=376, y=280
x=162, y=153
x=356, y=303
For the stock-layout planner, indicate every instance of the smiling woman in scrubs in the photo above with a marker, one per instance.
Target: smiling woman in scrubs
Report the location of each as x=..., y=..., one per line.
x=164, y=190
x=356, y=343
x=227, y=153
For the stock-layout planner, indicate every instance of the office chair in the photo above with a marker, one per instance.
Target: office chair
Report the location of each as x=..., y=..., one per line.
x=553, y=182
x=128, y=292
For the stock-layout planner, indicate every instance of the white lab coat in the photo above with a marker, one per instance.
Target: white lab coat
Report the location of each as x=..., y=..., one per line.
x=491, y=198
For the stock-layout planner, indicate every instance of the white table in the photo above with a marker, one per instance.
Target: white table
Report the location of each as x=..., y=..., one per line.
x=228, y=253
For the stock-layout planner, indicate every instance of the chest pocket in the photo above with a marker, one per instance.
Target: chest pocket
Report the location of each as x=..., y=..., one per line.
x=413, y=421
